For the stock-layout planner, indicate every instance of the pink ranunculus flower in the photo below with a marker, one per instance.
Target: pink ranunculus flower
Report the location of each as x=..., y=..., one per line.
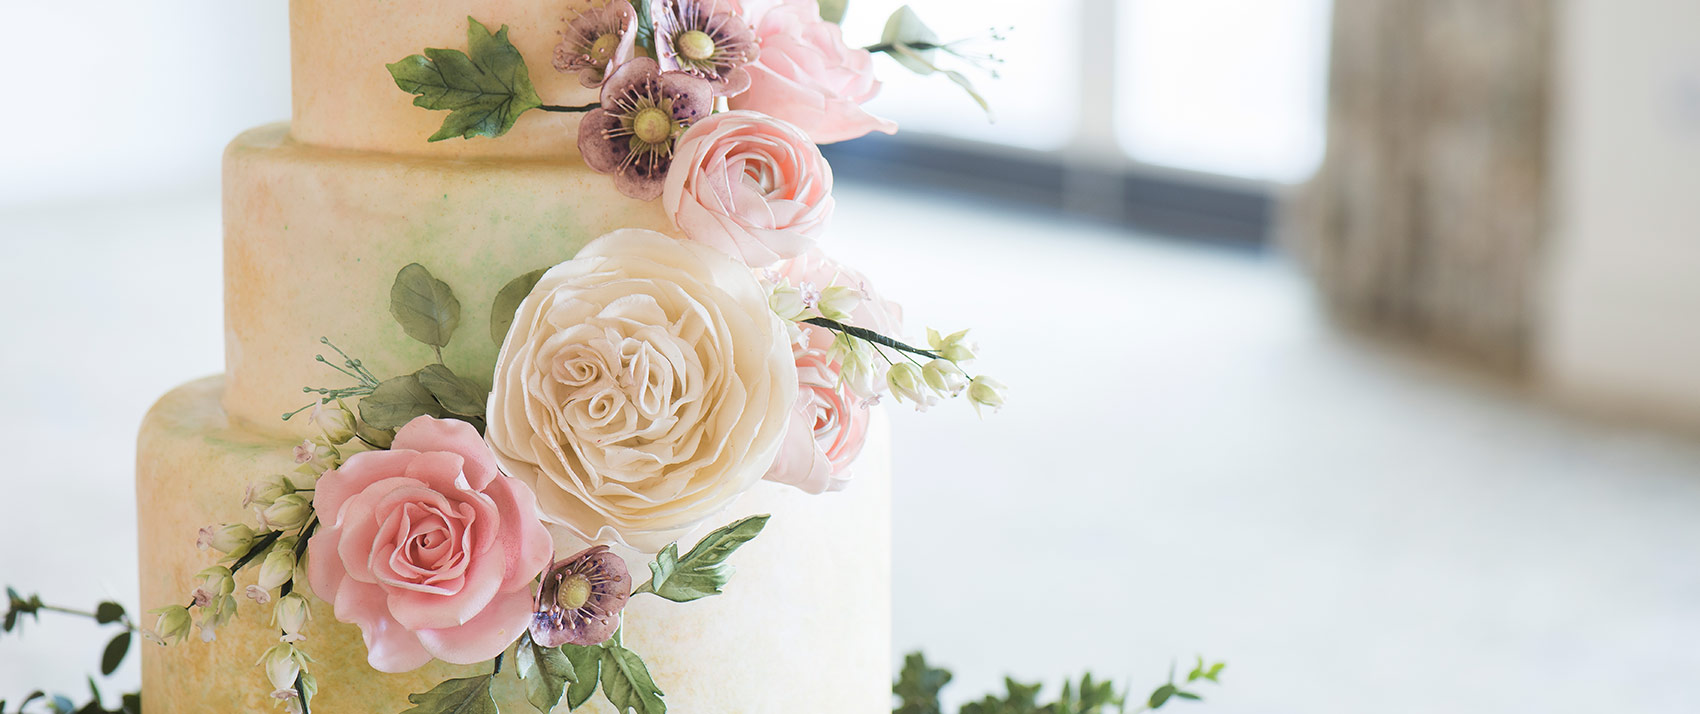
x=829, y=422
x=749, y=185
x=428, y=548
x=807, y=75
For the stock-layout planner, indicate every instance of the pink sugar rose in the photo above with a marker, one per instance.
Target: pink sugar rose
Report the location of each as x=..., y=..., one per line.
x=749, y=185
x=828, y=422
x=807, y=75
x=427, y=548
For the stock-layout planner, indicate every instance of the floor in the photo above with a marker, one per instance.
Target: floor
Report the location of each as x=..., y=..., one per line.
x=1192, y=461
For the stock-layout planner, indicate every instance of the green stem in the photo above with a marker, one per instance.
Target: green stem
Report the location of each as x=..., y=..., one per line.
x=579, y=108
x=260, y=546
x=869, y=336
x=125, y=621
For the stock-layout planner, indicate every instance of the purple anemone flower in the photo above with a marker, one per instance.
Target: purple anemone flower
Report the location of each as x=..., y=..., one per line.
x=643, y=112
x=691, y=37
x=597, y=41
x=581, y=599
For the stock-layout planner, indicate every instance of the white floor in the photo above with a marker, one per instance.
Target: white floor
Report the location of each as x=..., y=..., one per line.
x=1192, y=461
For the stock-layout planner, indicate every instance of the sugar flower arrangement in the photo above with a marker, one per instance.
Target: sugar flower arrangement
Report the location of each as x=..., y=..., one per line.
x=640, y=388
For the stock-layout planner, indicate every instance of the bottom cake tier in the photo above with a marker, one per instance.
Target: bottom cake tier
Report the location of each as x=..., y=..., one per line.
x=803, y=627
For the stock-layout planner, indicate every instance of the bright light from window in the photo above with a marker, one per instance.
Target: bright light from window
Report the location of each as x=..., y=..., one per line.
x=1035, y=99
x=1234, y=87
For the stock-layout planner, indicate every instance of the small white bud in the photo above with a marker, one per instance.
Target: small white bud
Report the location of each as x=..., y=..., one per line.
x=945, y=377
x=838, y=301
x=335, y=421
x=986, y=392
x=787, y=302
x=216, y=616
x=906, y=383
x=287, y=513
x=283, y=663
x=232, y=539
x=955, y=347
x=172, y=626
x=290, y=614
x=277, y=568
x=262, y=491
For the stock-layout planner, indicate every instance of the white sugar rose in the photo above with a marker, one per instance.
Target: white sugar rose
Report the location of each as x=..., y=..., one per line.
x=644, y=385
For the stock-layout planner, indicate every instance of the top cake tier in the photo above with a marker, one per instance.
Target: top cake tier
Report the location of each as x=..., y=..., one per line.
x=345, y=98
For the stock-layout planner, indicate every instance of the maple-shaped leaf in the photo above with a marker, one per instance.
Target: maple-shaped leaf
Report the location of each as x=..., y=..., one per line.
x=484, y=90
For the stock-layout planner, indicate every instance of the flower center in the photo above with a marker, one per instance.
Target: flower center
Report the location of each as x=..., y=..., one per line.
x=602, y=49
x=574, y=592
x=652, y=126
x=695, y=45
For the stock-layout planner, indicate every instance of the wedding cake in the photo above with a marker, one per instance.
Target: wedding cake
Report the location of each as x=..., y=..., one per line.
x=484, y=392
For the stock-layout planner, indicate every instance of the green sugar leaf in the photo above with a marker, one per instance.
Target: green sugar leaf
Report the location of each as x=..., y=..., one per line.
x=587, y=666
x=114, y=654
x=425, y=306
x=507, y=302
x=108, y=612
x=456, y=393
x=396, y=402
x=546, y=672
x=484, y=91
x=703, y=571
x=627, y=684
x=833, y=10
x=470, y=695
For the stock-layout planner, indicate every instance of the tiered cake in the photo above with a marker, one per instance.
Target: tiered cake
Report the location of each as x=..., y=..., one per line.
x=319, y=215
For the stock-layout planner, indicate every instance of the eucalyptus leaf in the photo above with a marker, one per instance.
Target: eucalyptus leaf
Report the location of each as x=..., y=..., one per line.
x=470, y=695
x=903, y=31
x=132, y=704
x=545, y=671
x=61, y=704
x=833, y=10
x=114, y=654
x=587, y=667
x=425, y=306
x=108, y=612
x=507, y=302
x=485, y=92
x=397, y=401
x=703, y=571
x=627, y=684
x=456, y=393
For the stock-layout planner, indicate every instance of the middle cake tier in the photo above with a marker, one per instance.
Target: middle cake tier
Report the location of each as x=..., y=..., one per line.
x=314, y=237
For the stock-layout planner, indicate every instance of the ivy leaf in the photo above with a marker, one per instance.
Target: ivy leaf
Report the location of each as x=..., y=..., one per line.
x=396, y=402
x=833, y=10
x=456, y=393
x=485, y=92
x=425, y=306
x=507, y=302
x=470, y=695
x=917, y=686
x=704, y=570
x=108, y=612
x=903, y=30
x=627, y=684
x=114, y=654
x=546, y=672
x=587, y=667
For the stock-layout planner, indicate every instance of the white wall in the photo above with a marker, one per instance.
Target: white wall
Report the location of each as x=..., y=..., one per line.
x=1622, y=331
x=110, y=97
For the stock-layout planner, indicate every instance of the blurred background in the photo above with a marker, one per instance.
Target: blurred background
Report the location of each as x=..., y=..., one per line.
x=1356, y=344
